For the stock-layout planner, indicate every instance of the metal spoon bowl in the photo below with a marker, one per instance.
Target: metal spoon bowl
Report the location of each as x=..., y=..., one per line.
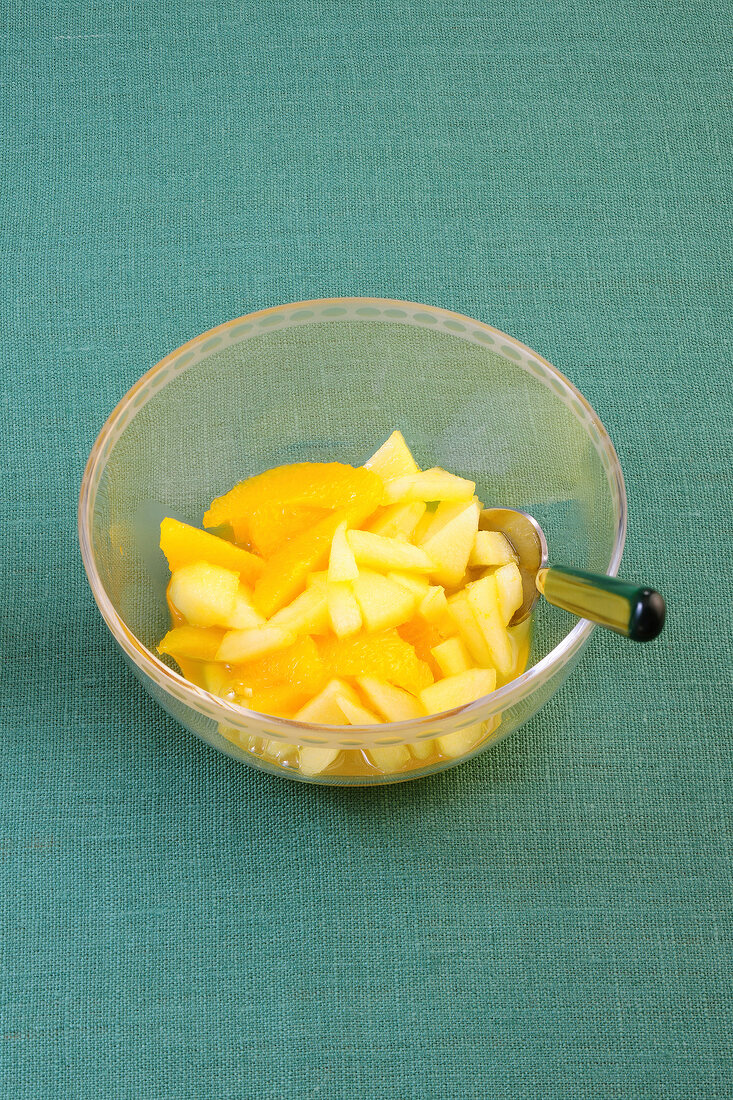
x=635, y=611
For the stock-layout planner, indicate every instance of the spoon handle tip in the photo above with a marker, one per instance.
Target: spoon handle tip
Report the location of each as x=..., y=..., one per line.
x=635, y=612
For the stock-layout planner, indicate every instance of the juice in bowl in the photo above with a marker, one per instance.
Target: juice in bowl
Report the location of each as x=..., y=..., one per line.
x=343, y=596
x=318, y=386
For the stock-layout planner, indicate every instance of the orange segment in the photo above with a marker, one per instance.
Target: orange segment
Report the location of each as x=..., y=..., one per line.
x=240, y=531
x=282, y=700
x=286, y=571
x=300, y=665
x=385, y=656
x=423, y=636
x=282, y=682
x=183, y=545
x=195, y=642
x=310, y=484
x=272, y=525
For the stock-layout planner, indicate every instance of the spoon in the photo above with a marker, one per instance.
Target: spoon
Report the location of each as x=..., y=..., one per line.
x=636, y=612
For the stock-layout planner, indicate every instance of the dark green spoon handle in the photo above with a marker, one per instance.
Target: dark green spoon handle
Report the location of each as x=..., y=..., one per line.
x=636, y=612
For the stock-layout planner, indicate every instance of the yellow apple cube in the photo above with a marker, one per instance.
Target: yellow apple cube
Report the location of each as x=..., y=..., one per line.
x=449, y=543
x=314, y=759
x=204, y=594
x=422, y=750
x=378, y=552
x=398, y=520
x=483, y=599
x=491, y=548
x=389, y=758
x=465, y=620
x=355, y=714
x=394, y=704
x=412, y=581
x=243, y=614
x=421, y=531
x=279, y=751
x=434, y=608
x=383, y=602
x=307, y=614
x=462, y=741
x=323, y=709
x=459, y=690
x=343, y=609
x=510, y=590
x=245, y=645
x=393, y=459
x=342, y=563
x=444, y=512
x=435, y=484
x=452, y=657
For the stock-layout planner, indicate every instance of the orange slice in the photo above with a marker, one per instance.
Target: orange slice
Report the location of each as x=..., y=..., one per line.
x=422, y=636
x=285, y=573
x=183, y=545
x=300, y=666
x=384, y=656
x=309, y=484
x=272, y=525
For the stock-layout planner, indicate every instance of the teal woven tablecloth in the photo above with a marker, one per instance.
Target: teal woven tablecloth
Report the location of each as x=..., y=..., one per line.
x=552, y=919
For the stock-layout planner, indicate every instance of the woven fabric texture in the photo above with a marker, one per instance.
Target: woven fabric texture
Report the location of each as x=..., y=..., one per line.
x=552, y=919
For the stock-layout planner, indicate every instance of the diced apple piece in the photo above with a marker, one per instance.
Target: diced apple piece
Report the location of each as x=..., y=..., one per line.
x=449, y=546
x=443, y=513
x=279, y=751
x=355, y=714
x=342, y=563
x=483, y=599
x=412, y=581
x=464, y=618
x=393, y=459
x=307, y=614
x=389, y=758
x=343, y=609
x=314, y=759
x=394, y=704
x=323, y=709
x=435, y=484
x=198, y=643
x=243, y=614
x=457, y=691
x=420, y=533
x=422, y=750
x=378, y=552
x=491, y=548
x=398, y=520
x=510, y=590
x=434, y=608
x=520, y=636
x=383, y=602
x=459, y=743
x=245, y=645
x=204, y=594
x=452, y=657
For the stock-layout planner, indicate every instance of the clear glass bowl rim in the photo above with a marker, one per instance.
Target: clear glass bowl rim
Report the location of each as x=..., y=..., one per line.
x=286, y=729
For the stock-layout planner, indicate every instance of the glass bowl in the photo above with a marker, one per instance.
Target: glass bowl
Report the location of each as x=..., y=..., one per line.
x=329, y=380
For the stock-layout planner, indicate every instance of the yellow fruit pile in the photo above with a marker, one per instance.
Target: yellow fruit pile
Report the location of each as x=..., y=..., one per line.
x=342, y=595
